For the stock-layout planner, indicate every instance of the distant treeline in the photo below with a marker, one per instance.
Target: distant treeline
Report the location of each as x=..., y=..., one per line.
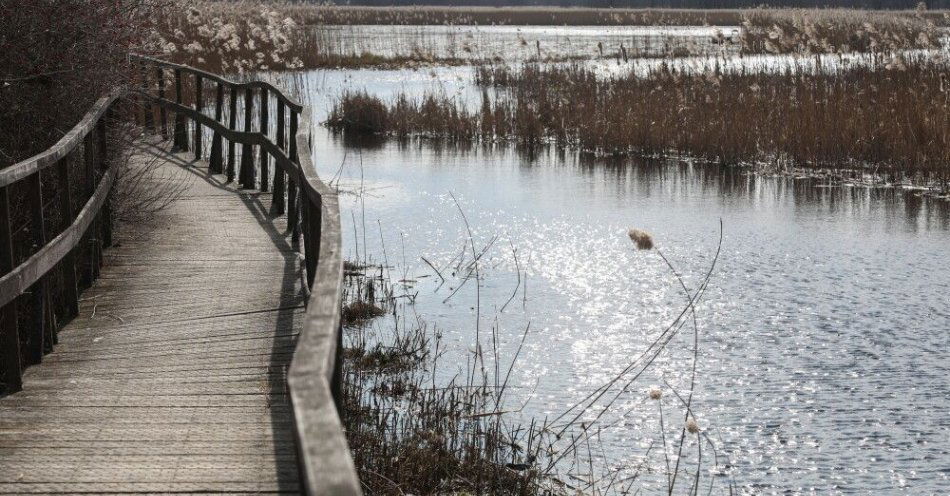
x=668, y=4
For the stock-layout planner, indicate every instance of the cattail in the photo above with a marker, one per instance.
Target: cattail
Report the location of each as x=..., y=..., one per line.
x=642, y=239
x=655, y=393
x=692, y=426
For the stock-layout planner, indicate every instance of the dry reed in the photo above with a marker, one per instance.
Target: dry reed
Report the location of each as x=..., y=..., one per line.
x=891, y=114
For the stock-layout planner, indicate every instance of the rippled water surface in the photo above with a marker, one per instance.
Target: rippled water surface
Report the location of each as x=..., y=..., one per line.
x=516, y=43
x=823, y=336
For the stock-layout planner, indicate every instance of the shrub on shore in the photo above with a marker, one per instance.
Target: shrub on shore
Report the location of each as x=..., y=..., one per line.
x=58, y=58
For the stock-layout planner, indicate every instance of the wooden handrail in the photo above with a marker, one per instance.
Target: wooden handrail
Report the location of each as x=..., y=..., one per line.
x=63, y=147
x=314, y=378
x=24, y=279
x=210, y=76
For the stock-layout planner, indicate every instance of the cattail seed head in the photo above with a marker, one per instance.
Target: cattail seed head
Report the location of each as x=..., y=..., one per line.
x=642, y=239
x=692, y=426
x=655, y=393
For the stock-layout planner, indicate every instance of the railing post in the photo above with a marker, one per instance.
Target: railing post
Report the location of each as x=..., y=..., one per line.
x=277, y=202
x=293, y=206
x=69, y=261
x=146, y=101
x=312, y=217
x=105, y=214
x=39, y=309
x=161, y=94
x=181, y=134
x=265, y=176
x=198, y=107
x=215, y=160
x=89, y=167
x=232, y=125
x=9, y=332
x=247, y=158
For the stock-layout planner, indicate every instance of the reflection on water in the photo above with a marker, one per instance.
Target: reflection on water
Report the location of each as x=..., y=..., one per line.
x=519, y=43
x=823, y=335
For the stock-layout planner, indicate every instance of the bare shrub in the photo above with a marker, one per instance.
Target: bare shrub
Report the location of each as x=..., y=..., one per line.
x=58, y=58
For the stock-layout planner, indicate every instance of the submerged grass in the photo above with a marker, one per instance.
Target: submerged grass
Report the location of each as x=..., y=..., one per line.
x=890, y=115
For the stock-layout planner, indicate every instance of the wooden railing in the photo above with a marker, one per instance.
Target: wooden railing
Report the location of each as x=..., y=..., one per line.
x=54, y=222
x=313, y=213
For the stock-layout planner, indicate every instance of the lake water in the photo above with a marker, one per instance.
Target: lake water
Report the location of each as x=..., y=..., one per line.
x=519, y=43
x=823, y=335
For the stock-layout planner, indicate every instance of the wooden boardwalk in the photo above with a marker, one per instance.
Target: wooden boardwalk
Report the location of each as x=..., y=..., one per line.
x=172, y=378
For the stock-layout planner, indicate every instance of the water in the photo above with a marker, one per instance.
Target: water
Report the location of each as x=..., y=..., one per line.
x=519, y=43
x=822, y=337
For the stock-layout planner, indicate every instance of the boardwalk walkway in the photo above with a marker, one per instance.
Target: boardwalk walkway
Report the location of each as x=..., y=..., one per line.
x=172, y=377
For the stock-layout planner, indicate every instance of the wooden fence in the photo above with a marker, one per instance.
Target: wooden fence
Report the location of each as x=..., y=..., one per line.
x=54, y=222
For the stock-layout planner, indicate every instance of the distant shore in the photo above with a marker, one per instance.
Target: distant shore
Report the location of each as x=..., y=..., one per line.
x=535, y=15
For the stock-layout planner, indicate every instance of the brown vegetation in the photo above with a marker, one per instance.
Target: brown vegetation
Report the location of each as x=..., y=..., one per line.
x=839, y=31
x=58, y=58
x=547, y=16
x=233, y=37
x=409, y=436
x=893, y=114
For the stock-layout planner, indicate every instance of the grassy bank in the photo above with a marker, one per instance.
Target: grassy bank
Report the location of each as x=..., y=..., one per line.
x=890, y=116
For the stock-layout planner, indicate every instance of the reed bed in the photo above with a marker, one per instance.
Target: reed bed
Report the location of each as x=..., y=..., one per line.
x=890, y=115
x=812, y=31
x=252, y=35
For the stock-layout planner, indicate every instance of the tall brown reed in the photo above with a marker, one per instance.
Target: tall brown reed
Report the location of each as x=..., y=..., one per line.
x=890, y=114
x=839, y=31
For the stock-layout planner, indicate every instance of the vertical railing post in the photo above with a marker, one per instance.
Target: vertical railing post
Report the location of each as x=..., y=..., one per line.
x=105, y=214
x=265, y=176
x=39, y=308
x=160, y=73
x=89, y=171
x=70, y=289
x=146, y=101
x=232, y=125
x=247, y=157
x=199, y=101
x=293, y=206
x=215, y=160
x=277, y=202
x=9, y=332
x=181, y=134
x=312, y=217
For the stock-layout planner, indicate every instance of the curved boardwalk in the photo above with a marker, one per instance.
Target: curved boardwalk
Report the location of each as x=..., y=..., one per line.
x=172, y=378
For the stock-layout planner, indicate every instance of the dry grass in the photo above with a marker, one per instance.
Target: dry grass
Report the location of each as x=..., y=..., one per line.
x=893, y=114
x=411, y=436
x=839, y=31
x=233, y=37
x=546, y=16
